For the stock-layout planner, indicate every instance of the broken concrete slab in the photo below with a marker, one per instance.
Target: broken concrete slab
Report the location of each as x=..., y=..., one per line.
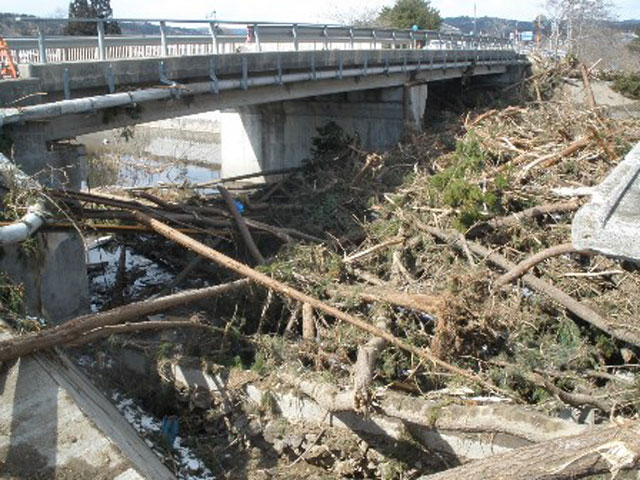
x=610, y=222
x=55, y=424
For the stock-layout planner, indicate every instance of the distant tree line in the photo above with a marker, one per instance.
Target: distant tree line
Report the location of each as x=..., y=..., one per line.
x=403, y=14
x=90, y=9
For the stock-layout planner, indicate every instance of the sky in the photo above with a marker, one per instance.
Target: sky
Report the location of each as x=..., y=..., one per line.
x=296, y=10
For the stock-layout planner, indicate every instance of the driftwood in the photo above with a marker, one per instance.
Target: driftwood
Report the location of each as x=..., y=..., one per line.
x=517, y=218
x=573, y=399
x=308, y=323
x=371, y=250
x=604, y=449
x=534, y=212
x=551, y=159
x=242, y=225
x=294, y=294
x=183, y=215
x=527, y=264
x=574, y=306
x=214, y=183
x=513, y=420
x=99, y=333
x=591, y=100
x=71, y=330
x=428, y=304
x=364, y=368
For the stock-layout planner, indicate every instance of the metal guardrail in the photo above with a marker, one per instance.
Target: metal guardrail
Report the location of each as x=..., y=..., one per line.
x=224, y=37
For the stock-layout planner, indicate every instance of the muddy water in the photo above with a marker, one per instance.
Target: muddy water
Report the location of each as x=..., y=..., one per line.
x=179, y=150
x=127, y=170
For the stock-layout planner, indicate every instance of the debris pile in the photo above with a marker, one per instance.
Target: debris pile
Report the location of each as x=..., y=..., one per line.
x=379, y=314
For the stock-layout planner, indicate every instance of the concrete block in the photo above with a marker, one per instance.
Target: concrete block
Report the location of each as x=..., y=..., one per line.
x=54, y=279
x=55, y=424
x=610, y=222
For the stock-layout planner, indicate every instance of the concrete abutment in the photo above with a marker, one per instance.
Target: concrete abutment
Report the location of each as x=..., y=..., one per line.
x=52, y=271
x=279, y=135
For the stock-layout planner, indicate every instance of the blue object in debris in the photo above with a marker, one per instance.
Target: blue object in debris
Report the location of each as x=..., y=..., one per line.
x=170, y=426
x=239, y=206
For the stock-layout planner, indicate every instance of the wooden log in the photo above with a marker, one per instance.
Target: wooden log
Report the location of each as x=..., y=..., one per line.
x=364, y=368
x=606, y=449
x=71, y=330
x=513, y=420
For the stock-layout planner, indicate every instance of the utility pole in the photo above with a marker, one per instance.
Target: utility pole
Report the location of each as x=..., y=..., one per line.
x=475, y=20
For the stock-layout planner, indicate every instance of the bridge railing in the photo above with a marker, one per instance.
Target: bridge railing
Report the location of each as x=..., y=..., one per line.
x=220, y=37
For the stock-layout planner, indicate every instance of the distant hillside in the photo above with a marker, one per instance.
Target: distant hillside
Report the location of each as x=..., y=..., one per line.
x=488, y=25
x=502, y=26
x=9, y=27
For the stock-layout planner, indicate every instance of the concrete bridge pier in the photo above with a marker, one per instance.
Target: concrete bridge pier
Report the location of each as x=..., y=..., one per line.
x=53, y=270
x=279, y=134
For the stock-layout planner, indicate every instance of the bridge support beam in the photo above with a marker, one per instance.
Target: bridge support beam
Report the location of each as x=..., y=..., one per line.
x=279, y=135
x=52, y=269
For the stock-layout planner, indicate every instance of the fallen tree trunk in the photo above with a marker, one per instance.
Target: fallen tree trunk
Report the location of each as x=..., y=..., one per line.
x=513, y=420
x=591, y=99
x=290, y=292
x=603, y=449
x=71, y=330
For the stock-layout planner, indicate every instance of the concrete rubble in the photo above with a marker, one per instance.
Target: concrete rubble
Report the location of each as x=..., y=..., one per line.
x=609, y=223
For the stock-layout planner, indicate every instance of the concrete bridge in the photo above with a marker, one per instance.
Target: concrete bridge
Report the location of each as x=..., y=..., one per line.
x=274, y=83
x=288, y=80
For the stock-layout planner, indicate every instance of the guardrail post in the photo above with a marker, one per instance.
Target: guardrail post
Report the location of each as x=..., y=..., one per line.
x=294, y=32
x=256, y=35
x=42, y=46
x=102, y=51
x=163, y=40
x=213, y=30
